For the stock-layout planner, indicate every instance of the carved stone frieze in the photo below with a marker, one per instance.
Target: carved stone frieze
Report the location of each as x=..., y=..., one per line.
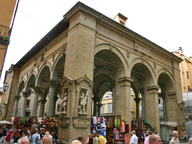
x=81, y=123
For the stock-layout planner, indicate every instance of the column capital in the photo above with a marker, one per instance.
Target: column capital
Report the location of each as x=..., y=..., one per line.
x=174, y=93
x=25, y=94
x=52, y=83
x=137, y=100
x=142, y=90
x=153, y=87
x=125, y=81
x=43, y=101
x=17, y=97
x=95, y=99
x=37, y=90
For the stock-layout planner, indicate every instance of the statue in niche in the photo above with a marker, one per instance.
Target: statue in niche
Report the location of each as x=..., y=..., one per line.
x=64, y=101
x=83, y=101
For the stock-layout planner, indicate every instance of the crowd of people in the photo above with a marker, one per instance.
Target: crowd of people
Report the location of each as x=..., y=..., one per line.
x=150, y=138
x=34, y=136
x=27, y=136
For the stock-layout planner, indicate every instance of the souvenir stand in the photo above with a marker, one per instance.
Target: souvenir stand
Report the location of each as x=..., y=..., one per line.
x=43, y=124
x=113, y=128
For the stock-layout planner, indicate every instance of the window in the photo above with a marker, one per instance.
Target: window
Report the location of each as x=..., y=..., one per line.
x=28, y=102
x=189, y=89
x=187, y=75
x=109, y=107
x=121, y=22
x=103, y=108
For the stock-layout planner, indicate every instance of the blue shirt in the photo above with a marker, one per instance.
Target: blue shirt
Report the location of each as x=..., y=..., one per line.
x=34, y=136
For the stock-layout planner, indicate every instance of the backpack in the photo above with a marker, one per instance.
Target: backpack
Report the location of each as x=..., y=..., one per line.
x=37, y=140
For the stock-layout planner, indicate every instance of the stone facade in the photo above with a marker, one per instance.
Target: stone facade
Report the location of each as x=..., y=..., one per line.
x=85, y=55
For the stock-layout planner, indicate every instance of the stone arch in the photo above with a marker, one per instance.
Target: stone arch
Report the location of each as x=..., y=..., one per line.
x=114, y=49
x=110, y=65
x=30, y=82
x=57, y=64
x=48, y=66
x=168, y=73
x=168, y=94
x=145, y=63
x=20, y=87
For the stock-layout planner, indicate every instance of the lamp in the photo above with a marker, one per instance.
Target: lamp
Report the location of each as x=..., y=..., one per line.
x=5, y=87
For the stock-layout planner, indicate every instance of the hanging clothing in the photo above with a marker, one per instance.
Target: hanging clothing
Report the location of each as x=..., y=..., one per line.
x=126, y=138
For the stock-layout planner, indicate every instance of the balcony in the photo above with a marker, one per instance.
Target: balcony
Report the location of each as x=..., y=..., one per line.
x=4, y=35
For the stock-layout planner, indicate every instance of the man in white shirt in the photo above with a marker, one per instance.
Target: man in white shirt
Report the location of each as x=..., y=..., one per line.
x=134, y=139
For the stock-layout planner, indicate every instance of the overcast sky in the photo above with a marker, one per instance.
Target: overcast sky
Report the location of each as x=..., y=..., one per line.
x=168, y=23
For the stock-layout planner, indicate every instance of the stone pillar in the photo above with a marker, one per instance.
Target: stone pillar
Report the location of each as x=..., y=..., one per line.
x=25, y=95
x=17, y=97
x=143, y=102
x=137, y=100
x=42, y=107
x=35, y=102
x=99, y=108
x=164, y=107
x=152, y=107
x=50, y=109
x=123, y=107
x=95, y=100
x=113, y=100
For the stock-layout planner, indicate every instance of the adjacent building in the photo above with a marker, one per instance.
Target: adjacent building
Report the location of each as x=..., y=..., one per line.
x=7, y=12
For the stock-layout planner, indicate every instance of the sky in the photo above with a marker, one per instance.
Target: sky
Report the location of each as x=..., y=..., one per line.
x=168, y=23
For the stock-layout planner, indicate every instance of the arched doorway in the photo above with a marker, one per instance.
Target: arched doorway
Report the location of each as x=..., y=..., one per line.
x=166, y=108
x=107, y=69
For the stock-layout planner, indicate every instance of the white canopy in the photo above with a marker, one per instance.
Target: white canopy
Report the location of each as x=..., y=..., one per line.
x=5, y=123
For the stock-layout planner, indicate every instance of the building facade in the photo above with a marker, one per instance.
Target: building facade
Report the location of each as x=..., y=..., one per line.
x=6, y=14
x=84, y=56
x=186, y=70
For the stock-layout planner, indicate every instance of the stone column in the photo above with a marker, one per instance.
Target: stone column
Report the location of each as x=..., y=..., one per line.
x=113, y=100
x=137, y=100
x=50, y=109
x=143, y=102
x=25, y=95
x=35, y=102
x=95, y=100
x=43, y=101
x=99, y=108
x=17, y=97
x=152, y=107
x=123, y=92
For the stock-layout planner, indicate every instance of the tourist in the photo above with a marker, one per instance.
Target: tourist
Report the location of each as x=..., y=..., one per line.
x=98, y=134
x=146, y=138
x=9, y=136
x=36, y=137
x=96, y=140
x=190, y=140
x=24, y=139
x=90, y=139
x=76, y=142
x=46, y=139
x=134, y=139
x=174, y=139
x=4, y=134
x=81, y=139
x=185, y=137
x=154, y=139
